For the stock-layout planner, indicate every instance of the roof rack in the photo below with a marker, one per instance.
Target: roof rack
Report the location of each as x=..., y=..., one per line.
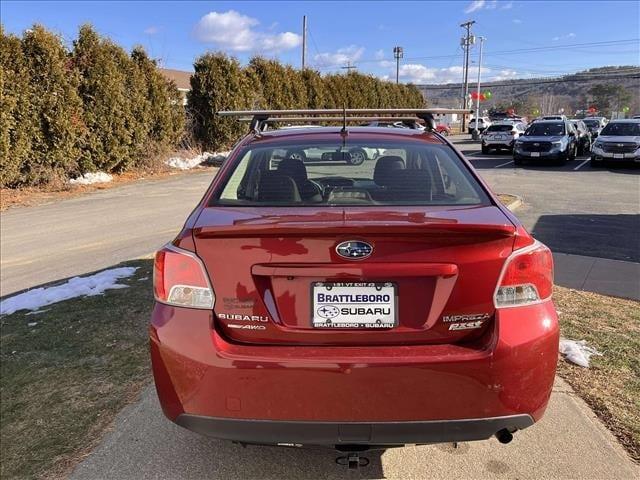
x=260, y=119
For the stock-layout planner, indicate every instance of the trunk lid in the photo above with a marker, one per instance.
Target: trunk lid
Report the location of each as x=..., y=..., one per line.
x=263, y=262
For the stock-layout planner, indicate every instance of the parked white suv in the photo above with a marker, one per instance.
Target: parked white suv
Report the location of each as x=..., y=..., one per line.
x=618, y=141
x=501, y=135
x=483, y=123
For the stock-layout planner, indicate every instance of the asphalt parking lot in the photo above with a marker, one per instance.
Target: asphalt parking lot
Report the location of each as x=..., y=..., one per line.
x=572, y=208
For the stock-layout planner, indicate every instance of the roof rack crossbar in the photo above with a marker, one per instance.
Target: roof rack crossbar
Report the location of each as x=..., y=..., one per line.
x=261, y=118
x=346, y=111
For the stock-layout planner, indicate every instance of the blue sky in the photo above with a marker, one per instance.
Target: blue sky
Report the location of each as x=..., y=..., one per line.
x=524, y=38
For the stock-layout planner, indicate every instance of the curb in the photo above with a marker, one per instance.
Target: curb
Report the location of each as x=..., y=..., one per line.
x=515, y=204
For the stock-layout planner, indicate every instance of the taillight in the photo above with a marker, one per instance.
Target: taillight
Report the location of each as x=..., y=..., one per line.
x=180, y=279
x=527, y=277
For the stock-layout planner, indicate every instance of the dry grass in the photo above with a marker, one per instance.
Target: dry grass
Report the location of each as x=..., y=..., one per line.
x=507, y=199
x=612, y=385
x=63, y=380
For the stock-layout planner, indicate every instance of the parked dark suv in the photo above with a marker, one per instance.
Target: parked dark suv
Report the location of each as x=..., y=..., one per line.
x=547, y=140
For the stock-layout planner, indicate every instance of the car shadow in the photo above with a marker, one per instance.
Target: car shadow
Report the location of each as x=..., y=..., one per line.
x=607, y=236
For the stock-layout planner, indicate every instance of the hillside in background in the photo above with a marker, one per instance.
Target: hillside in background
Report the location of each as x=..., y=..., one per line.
x=614, y=88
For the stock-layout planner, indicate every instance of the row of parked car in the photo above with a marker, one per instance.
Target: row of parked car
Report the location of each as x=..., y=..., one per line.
x=560, y=139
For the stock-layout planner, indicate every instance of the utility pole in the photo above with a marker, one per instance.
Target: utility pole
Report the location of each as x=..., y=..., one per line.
x=349, y=66
x=304, y=42
x=467, y=41
x=398, y=53
x=475, y=131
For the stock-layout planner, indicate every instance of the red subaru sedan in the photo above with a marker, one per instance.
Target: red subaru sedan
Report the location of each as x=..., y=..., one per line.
x=356, y=305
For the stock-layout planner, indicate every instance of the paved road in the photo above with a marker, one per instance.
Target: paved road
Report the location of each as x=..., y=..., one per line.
x=569, y=442
x=94, y=231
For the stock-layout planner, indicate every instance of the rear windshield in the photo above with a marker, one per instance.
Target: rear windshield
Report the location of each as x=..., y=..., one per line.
x=592, y=123
x=388, y=173
x=543, y=129
x=500, y=128
x=621, y=129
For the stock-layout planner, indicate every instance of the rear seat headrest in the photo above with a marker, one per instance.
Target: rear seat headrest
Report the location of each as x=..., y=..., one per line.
x=275, y=187
x=384, y=166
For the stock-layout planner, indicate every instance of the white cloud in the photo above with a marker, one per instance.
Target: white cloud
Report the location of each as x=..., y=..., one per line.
x=234, y=31
x=418, y=73
x=475, y=5
x=564, y=37
x=151, y=30
x=487, y=5
x=517, y=21
x=379, y=55
x=342, y=56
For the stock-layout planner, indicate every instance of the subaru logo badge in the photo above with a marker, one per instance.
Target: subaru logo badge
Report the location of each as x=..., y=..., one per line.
x=621, y=145
x=536, y=144
x=354, y=249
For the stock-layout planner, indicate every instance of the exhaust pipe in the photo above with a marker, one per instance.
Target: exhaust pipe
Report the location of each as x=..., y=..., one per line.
x=504, y=436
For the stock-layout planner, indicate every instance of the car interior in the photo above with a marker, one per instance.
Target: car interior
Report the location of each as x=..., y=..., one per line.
x=420, y=175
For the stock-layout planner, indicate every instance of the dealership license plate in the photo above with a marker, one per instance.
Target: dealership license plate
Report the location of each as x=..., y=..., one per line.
x=618, y=155
x=535, y=154
x=353, y=305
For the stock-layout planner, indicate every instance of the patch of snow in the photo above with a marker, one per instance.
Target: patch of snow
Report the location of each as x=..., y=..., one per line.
x=90, y=178
x=188, y=163
x=32, y=324
x=143, y=279
x=76, y=287
x=37, y=312
x=577, y=351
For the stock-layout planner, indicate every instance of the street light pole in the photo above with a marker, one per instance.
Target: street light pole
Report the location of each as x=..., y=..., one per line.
x=304, y=42
x=398, y=53
x=467, y=41
x=475, y=132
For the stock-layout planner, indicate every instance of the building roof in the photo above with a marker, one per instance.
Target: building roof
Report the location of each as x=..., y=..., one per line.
x=181, y=78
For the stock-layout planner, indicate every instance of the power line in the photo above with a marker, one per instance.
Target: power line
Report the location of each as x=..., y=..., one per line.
x=519, y=51
x=519, y=83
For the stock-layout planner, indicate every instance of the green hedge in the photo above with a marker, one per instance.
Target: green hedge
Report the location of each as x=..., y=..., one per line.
x=221, y=83
x=65, y=111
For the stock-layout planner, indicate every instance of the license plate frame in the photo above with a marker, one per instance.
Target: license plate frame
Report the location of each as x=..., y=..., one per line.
x=367, y=321
x=618, y=155
x=535, y=154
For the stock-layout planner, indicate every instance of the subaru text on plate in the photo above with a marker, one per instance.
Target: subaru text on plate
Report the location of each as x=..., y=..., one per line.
x=353, y=306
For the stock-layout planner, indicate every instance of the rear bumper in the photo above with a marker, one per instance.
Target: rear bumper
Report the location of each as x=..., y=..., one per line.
x=335, y=433
x=391, y=394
